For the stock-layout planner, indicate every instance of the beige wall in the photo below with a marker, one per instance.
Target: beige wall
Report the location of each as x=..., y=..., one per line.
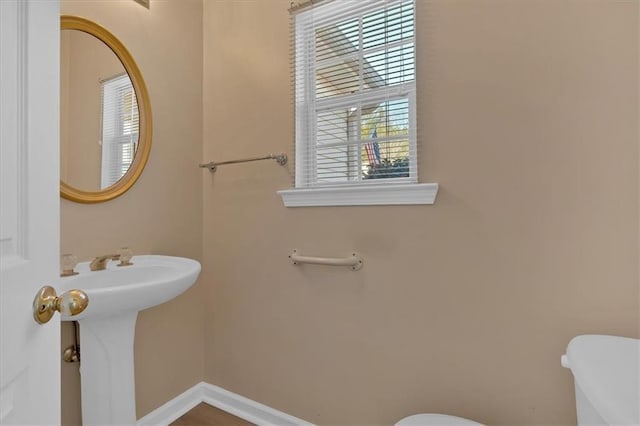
x=528, y=115
x=162, y=213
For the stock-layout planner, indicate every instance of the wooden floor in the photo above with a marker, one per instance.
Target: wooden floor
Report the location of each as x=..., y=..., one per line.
x=206, y=415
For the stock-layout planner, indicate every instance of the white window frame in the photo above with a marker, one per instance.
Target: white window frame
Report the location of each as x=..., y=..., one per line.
x=395, y=191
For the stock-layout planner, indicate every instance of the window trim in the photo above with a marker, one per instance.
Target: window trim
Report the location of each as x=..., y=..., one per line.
x=365, y=195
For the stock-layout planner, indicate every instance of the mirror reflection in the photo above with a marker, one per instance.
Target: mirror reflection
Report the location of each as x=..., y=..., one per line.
x=99, y=121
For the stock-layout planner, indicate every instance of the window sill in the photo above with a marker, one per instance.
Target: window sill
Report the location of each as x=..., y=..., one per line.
x=370, y=195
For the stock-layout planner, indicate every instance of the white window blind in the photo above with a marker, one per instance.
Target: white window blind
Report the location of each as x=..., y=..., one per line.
x=355, y=93
x=120, y=124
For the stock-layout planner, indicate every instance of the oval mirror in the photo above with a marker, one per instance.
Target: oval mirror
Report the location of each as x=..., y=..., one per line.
x=105, y=114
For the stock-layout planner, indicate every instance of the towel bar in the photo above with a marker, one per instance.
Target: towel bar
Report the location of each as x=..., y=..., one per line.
x=213, y=166
x=354, y=261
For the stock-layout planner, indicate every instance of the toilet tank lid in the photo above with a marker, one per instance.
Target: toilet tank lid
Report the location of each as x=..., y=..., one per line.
x=607, y=369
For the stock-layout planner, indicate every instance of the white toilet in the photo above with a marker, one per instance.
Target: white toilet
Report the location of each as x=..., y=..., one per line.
x=435, y=420
x=606, y=372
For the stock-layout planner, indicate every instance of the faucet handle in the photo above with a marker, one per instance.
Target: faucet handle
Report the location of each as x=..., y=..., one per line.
x=125, y=256
x=68, y=262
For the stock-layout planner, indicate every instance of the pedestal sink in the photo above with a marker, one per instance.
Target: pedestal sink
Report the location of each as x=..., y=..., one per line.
x=107, y=328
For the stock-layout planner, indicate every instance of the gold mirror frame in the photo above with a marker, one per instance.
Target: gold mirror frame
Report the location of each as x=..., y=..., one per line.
x=141, y=156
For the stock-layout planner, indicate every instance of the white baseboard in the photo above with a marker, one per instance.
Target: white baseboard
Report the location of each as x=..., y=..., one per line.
x=230, y=402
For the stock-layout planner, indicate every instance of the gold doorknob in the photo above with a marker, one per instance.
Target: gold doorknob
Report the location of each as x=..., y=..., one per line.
x=47, y=302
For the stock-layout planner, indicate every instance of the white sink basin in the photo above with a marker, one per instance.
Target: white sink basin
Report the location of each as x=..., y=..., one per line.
x=107, y=328
x=150, y=281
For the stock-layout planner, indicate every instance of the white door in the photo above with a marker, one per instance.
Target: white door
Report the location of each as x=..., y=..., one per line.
x=29, y=209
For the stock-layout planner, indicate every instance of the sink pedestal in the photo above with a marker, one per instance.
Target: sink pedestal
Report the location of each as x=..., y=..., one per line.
x=106, y=370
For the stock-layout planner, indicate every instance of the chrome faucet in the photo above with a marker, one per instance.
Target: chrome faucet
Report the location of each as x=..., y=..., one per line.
x=100, y=262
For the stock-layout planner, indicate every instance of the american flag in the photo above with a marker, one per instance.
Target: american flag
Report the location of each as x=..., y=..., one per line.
x=373, y=149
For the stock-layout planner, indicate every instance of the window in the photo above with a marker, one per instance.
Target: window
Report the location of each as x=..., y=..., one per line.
x=119, y=128
x=355, y=101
